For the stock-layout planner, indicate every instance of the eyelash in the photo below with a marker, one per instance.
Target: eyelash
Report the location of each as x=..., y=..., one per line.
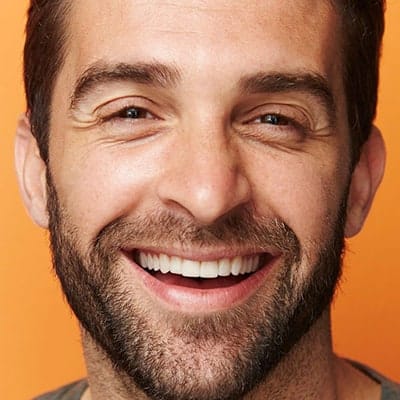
x=285, y=123
x=286, y=120
x=114, y=119
x=120, y=114
x=289, y=124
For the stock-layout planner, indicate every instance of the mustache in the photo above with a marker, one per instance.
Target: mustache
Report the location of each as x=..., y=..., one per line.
x=241, y=229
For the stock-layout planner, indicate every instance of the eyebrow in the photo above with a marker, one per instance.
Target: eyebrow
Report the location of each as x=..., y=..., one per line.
x=310, y=83
x=99, y=73
x=167, y=76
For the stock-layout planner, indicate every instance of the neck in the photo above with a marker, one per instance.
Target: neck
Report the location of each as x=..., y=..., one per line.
x=309, y=371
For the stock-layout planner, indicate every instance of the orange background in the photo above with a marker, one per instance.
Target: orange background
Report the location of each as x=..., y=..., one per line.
x=39, y=340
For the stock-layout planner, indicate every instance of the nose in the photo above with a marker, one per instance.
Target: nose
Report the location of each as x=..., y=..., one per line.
x=204, y=177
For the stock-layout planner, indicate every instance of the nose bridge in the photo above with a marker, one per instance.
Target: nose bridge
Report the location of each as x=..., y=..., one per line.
x=205, y=177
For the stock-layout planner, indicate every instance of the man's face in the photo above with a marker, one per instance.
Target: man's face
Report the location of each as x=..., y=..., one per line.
x=207, y=140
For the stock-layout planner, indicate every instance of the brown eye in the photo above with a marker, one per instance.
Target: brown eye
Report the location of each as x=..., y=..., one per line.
x=274, y=119
x=133, y=113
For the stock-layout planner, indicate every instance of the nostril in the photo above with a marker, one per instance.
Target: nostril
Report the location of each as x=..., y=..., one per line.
x=206, y=183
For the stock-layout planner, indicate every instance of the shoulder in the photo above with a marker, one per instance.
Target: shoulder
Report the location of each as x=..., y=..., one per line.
x=73, y=391
x=390, y=389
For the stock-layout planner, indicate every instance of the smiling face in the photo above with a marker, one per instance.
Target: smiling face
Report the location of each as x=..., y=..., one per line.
x=198, y=176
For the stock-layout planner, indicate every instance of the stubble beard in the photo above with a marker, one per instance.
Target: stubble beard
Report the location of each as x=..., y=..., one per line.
x=219, y=356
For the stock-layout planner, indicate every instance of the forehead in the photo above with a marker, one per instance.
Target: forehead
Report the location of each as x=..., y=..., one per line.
x=276, y=34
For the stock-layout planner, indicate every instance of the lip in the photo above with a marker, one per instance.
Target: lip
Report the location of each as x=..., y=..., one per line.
x=191, y=300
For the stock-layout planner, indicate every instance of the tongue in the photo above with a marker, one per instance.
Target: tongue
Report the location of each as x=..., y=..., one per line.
x=199, y=283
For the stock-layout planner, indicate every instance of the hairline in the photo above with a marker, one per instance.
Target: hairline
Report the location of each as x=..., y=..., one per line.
x=336, y=6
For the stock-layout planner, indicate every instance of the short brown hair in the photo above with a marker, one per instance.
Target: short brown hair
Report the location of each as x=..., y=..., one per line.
x=44, y=54
x=363, y=26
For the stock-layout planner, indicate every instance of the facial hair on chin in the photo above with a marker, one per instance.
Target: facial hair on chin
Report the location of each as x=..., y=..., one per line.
x=220, y=356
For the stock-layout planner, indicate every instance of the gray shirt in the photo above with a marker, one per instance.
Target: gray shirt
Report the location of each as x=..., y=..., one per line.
x=74, y=391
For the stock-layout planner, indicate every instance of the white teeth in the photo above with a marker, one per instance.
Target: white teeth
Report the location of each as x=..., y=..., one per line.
x=246, y=268
x=156, y=263
x=224, y=267
x=238, y=265
x=175, y=265
x=164, y=263
x=191, y=269
x=243, y=268
x=153, y=263
x=209, y=269
x=143, y=260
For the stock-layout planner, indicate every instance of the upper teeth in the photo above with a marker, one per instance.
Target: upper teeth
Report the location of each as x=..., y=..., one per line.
x=199, y=269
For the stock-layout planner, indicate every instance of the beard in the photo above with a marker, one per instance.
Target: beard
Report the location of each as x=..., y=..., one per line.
x=171, y=356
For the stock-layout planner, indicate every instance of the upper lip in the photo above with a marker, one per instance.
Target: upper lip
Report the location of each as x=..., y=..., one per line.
x=204, y=254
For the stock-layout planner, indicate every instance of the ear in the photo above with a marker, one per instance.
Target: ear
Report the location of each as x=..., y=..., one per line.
x=366, y=178
x=31, y=172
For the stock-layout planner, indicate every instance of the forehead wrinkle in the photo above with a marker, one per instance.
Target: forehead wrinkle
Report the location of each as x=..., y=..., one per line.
x=101, y=72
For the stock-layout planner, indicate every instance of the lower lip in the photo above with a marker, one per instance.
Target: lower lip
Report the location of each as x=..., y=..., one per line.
x=193, y=300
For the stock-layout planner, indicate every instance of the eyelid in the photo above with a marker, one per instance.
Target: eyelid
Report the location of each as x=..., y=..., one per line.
x=294, y=114
x=300, y=123
x=292, y=122
x=115, y=106
x=117, y=115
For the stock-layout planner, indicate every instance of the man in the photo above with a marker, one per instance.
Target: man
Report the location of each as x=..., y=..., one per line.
x=198, y=165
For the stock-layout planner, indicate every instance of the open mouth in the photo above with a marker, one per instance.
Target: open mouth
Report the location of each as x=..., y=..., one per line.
x=221, y=273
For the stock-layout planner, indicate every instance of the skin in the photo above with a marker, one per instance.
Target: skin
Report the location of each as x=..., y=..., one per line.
x=203, y=151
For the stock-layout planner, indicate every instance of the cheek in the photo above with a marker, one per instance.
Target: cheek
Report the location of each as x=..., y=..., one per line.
x=305, y=191
x=104, y=183
x=99, y=182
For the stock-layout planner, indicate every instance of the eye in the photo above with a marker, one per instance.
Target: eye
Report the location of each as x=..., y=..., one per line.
x=274, y=119
x=130, y=118
x=285, y=124
x=133, y=113
x=126, y=115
